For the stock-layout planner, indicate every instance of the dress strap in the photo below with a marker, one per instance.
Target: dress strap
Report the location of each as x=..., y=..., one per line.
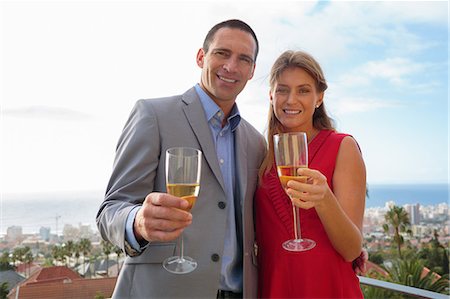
x=316, y=144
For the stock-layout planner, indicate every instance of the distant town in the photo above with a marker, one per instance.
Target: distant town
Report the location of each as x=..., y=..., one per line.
x=79, y=256
x=424, y=220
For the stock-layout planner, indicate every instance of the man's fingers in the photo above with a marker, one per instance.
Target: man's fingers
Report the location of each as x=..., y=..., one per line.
x=166, y=200
x=167, y=213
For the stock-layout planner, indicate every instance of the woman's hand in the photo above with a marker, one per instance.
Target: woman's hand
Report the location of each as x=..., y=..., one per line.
x=309, y=194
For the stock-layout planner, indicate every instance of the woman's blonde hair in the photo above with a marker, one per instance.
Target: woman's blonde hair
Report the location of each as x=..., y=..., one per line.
x=321, y=120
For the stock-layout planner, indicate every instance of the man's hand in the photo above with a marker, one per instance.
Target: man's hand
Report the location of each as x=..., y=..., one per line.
x=162, y=217
x=359, y=264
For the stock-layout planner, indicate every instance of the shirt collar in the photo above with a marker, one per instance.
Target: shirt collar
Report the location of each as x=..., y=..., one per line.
x=212, y=109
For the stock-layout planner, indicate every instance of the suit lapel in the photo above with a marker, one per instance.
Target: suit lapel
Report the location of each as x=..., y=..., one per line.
x=196, y=117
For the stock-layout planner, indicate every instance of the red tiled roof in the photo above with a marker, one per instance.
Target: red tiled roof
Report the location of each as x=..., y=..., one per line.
x=67, y=289
x=25, y=267
x=51, y=273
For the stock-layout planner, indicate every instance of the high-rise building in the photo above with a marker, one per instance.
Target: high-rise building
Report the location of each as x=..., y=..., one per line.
x=13, y=233
x=44, y=232
x=413, y=212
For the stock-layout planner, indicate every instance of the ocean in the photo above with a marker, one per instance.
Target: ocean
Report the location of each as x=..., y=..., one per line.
x=403, y=194
x=54, y=210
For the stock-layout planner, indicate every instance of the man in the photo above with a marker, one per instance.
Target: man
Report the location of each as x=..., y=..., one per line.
x=145, y=222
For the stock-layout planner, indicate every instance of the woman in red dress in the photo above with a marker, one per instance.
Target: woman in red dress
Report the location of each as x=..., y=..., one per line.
x=332, y=202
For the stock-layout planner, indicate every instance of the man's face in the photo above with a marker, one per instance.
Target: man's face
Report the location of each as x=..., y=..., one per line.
x=228, y=65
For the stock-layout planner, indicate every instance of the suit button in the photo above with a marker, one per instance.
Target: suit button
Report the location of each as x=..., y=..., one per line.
x=215, y=257
x=222, y=205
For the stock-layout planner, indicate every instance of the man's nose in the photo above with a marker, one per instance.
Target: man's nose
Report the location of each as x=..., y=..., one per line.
x=230, y=65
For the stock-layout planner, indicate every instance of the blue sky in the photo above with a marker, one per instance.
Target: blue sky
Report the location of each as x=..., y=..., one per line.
x=72, y=70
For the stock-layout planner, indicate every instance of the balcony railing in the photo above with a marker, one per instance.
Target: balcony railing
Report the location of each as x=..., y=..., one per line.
x=420, y=293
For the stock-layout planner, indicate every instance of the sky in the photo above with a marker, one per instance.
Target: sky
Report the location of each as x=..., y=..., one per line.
x=71, y=71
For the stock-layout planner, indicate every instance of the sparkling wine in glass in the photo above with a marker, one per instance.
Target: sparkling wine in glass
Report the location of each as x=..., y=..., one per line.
x=291, y=153
x=183, y=166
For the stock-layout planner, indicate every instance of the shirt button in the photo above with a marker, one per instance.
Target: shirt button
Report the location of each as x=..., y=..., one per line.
x=215, y=257
x=221, y=161
x=221, y=134
x=222, y=205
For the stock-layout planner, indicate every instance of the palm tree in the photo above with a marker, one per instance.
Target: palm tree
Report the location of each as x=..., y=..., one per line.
x=5, y=262
x=85, y=248
x=411, y=273
x=77, y=252
x=118, y=252
x=28, y=258
x=4, y=290
x=397, y=219
x=69, y=248
x=58, y=253
x=107, y=249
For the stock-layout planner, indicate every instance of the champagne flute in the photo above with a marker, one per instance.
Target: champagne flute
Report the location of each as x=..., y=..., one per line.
x=291, y=153
x=183, y=167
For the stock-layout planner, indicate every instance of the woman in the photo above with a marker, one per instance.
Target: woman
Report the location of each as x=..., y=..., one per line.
x=332, y=202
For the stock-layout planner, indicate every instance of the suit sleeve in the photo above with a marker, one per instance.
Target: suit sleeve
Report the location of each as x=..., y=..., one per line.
x=134, y=171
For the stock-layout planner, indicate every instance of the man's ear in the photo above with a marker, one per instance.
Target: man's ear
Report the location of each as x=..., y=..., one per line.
x=253, y=71
x=200, y=57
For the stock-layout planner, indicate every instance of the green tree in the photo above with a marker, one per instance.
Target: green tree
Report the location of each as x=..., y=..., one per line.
x=77, y=252
x=435, y=255
x=107, y=248
x=4, y=290
x=99, y=295
x=5, y=262
x=376, y=257
x=57, y=253
x=23, y=255
x=70, y=248
x=411, y=273
x=28, y=259
x=85, y=248
x=118, y=252
x=397, y=220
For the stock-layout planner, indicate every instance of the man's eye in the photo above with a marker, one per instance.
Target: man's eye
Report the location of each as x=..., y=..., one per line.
x=247, y=60
x=221, y=53
x=304, y=90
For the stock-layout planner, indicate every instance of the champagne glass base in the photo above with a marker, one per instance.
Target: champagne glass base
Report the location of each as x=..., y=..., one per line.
x=299, y=245
x=177, y=265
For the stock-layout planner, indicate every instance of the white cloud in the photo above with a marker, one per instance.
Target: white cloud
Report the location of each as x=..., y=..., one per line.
x=47, y=113
x=347, y=105
x=95, y=59
x=396, y=71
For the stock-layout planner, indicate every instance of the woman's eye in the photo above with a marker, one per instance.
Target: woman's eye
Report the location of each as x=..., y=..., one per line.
x=281, y=90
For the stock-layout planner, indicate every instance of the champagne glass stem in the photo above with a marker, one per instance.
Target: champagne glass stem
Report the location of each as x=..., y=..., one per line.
x=296, y=222
x=182, y=250
x=298, y=231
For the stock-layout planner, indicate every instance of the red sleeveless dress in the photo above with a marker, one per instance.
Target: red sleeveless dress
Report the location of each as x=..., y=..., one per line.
x=317, y=273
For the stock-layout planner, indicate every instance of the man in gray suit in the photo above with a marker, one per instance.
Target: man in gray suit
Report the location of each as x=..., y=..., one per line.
x=218, y=232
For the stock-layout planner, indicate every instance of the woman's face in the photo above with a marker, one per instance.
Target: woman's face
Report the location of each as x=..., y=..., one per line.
x=294, y=99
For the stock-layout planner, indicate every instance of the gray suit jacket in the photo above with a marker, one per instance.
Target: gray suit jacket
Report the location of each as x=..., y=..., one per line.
x=154, y=126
